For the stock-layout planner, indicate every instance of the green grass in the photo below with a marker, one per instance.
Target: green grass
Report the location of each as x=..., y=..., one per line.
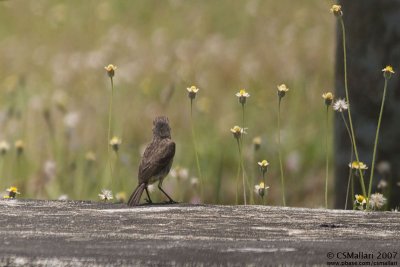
x=58, y=51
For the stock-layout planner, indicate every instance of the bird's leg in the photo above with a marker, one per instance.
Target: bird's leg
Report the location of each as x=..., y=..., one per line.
x=170, y=199
x=148, y=200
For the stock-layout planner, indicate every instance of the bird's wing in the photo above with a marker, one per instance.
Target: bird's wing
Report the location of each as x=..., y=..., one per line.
x=156, y=158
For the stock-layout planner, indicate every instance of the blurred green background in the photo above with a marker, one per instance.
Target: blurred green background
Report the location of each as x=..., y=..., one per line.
x=54, y=93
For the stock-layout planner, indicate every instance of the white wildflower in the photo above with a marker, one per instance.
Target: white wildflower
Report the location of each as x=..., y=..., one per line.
x=106, y=195
x=340, y=105
x=377, y=201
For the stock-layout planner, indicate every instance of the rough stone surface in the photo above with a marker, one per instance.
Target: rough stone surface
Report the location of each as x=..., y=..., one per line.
x=73, y=233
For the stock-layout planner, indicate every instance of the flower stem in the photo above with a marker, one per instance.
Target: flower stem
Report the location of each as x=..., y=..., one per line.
x=110, y=112
x=243, y=170
x=352, y=188
x=195, y=151
x=243, y=115
x=237, y=176
x=347, y=191
x=376, y=140
x=240, y=166
x=351, y=159
x=279, y=152
x=263, y=177
x=1, y=169
x=348, y=101
x=327, y=157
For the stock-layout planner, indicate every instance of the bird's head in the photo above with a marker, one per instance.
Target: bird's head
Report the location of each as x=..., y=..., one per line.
x=161, y=127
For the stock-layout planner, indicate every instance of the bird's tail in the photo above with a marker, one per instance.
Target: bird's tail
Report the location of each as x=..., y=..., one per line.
x=135, y=197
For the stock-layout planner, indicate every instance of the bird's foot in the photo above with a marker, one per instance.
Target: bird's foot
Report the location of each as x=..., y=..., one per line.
x=148, y=201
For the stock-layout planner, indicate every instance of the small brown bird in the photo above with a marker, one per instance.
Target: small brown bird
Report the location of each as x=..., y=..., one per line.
x=156, y=161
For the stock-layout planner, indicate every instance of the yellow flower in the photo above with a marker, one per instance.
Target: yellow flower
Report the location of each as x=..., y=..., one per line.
x=388, y=71
x=192, y=91
x=257, y=143
x=237, y=131
x=337, y=10
x=260, y=189
x=115, y=142
x=263, y=163
x=328, y=98
x=110, y=70
x=13, y=189
x=90, y=156
x=242, y=95
x=282, y=89
x=4, y=147
x=263, y=166
x=19, y=146
x=12, y=192
x=360, y=200
x=120, y=197
x=358, y=165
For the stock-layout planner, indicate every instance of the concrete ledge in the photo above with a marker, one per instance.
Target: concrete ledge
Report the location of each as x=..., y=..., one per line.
x=79, y=233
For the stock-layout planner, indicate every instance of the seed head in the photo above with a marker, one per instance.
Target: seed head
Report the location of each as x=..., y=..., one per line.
x=340, y=105
x=106, y=195
x=377, y=201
